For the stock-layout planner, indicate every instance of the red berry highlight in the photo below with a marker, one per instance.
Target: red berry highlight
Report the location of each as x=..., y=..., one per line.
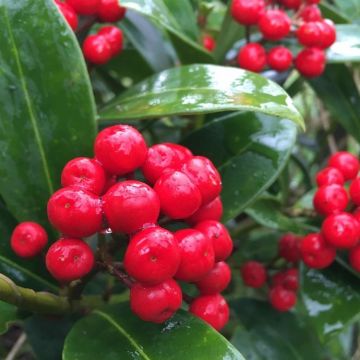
x=247, y=12
x=252, y=57
x=346, y=163
x=280, y=58
x=330, y=199
x=274, y=25
x=97, y=49
x=310, y=62
x=68, y=13
x=110, y=11
x=329, y=176
x=114, y=37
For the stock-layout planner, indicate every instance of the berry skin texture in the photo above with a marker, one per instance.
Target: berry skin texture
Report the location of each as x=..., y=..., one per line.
x=110, y=11
x=330, y=199
x=216, y=280
x=310, y=62
x=84, y=7
x=202, y=172
x=28, y=239
x=213, y=309
x=130, y=205
x=69, y=259
x=247, y=12
x=315, y=252
x=282, y=299
x=311, y=13
x=179, y=196
x=346, y=163
x=354, y=258
x=341, y=230
x=280, y=58
x=68, y=13
x=114, y=37
x=252, y=57
x=329, y=176
x=97, y=49
x=156, y=303
x=75, y=212
x=289, y=248
x=274, y=25
x=211, y=211
x=121, y=149
x=289, y=279
x=220, y=237
x=209, y=43
x=85, y=173
x=311, y=34
x=197, y=255
x=253, y=274
x=152, y=256
x=355, y=191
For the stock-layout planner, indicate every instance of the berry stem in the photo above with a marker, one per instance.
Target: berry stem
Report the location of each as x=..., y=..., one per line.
x=248, y=34
x=187, y=298
x=122, y=276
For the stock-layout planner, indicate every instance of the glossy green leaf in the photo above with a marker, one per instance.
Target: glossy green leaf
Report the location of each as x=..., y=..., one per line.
x=337, y=89
x=198, y=89
x=123, y=336
x=250, y=150
x=8, y=315
x=331, y=12
x=43, y=124
x=331, y=298
x=187, y=49
x=350, y=8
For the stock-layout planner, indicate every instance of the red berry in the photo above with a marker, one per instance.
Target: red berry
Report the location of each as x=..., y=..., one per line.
x=356, y=214
x=75, y=212
x=179, y=196
x=247, y=12
x=220, y=237
x=289, y=279
x=197, y=255
x=183, y=152
x=315, y=252
x=279, y=58
x=121, y=149
x=289, y=248
x=330, y=199
x=329, y=176
x=110, y=11
x=97, y=49
x=310, y=62
x=209, y=43
x=311, y=34
x=215, y=281
x=282, y=299
x=253, y=274
x=152, y=256
x=311, y=2
x=291, y=4
x=213, y=309
x=84, y=7
x=69, y=259
x=202, y=172
x=274, y=24
x=130, y=205
x=28, y=239
x=328, y=34
x=252, y=57
x=211, y=211
x=355, y=191
x=354, y=258
x=85, y=173
x=311, y=13
x=341, y=230
x=114, y=37
x=68, y=13
x=346, y=163
x=156, y=303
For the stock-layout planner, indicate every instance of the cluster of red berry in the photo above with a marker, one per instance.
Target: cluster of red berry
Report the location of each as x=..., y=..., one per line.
x=101, y=193
x=274, y=22
x=101, y=47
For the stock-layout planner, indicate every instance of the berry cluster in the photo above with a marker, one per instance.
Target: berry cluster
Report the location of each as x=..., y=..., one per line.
x=107, y=43
x=102, y=193
x=277, y=20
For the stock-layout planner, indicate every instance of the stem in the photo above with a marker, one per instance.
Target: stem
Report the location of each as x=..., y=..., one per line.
x=15, y=349
x=187, y=298
x=248, y=34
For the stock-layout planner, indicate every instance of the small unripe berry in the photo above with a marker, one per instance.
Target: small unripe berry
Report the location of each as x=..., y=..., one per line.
x=346, y=163
x=97, y=49
x=253, y=274
x=330, y=199
x=310, y=62
x=282, y=299
x=315, y=252
x=28, y=239
x=213, y=309
x=153, y=256
x=279, y=58
x=69, y=259
x=209, y=43
x=130, y=205
x=289, y=248
x=110, y=11
x=114, y=37
x=156, y=303
x=216, y=280
x=329, y=176
x=252, y=57
x=247, y=12
x=211, y=211
x=121, y=149
x=68, y=13
x=354, y=258
x=84, y=7
x=274, y=24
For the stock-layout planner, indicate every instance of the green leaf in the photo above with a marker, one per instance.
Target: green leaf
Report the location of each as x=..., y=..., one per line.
x=331, y=12
x=347, y=45
x=337, y=89
x=331, y=298
x=43, y=124
x=123, y=336
x=187, y=50
x=350, y=8
x=250, y=150
x=198, y=89
x=8, y=315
